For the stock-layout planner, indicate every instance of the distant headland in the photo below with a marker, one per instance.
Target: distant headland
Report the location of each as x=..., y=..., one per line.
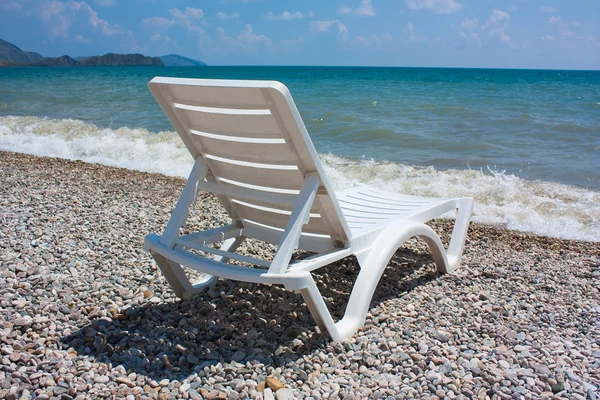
x=13, y=56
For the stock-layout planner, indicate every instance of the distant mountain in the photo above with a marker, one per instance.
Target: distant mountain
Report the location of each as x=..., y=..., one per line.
x=175, y=60
x=114, y=60
x=13, y=54
x=62, y=61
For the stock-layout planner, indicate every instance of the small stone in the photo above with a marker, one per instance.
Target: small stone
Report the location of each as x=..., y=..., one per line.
x=124, y=381
x=238, y=356
x=147, y=294
x=216, y=395
x=558, y=387
x=261, y=386
x=24, y=321
x=185, y=387
x=48, y=382
x=284, y=394
x=542, y=369
x=268, y=394
x=274, y=384
x=101, y=379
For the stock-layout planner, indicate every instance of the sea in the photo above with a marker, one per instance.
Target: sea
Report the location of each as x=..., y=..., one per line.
x=525, y=144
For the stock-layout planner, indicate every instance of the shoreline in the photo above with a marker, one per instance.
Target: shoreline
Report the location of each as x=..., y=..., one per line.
x=86, y=311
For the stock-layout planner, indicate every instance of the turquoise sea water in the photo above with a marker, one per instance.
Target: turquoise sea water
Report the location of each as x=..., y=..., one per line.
x=524, y=143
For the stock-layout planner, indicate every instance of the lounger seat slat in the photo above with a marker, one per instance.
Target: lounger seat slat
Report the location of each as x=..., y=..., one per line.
x=282, y=179
x=389, y=197
x=256, y=196
x=272, y=234
x=210, y=250
x=353, y=203
x=222, y=110
x=217, y=96
x=251, y=138
x=258, y=152
x=370, y=212
x=284, y=208
x=232, y=124
x=266, y=189
x=275, y=219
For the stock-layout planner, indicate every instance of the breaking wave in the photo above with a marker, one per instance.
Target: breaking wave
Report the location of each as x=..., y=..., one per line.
x=544, y=208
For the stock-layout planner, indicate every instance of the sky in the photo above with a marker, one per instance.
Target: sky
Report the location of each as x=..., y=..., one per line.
x=546, y=34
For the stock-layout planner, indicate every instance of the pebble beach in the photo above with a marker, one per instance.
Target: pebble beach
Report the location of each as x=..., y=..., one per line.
x=85, y=312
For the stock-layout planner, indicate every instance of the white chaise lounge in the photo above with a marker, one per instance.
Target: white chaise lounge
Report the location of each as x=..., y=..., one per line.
x=252, y=150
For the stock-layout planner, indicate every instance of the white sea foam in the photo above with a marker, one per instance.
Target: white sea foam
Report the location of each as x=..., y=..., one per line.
x=544, y=208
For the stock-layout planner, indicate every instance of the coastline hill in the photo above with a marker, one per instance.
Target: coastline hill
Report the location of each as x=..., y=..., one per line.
x=10, y=52
x=175, y=60
x=13, y=56
x=113, y=60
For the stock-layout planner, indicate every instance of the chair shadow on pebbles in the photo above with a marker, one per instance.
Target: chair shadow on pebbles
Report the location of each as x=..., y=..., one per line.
x=237, y=322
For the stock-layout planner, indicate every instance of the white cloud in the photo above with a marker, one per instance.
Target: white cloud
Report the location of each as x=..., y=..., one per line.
x=468, y=29
x=163, y=40
x=381, y=41
x=469, y=24
x=59, y=16
x=438, y=6
x=410, y=32
x=247, y=36
x=365, y=9
x=344, y=10
x=11, y=5
x=548, y=37
x=187, y=18
x=97, y=22
x=189, y=13
x=564, y=27
x=81, y=39
x=547, y=9
x=326, y=26
x=286, y=16
x=224, y=16
x=106, y=3
x=246, y=41
x=157, y=22
x=55, y=14
x=494, y=19
x=496, y=24
x=130, y=44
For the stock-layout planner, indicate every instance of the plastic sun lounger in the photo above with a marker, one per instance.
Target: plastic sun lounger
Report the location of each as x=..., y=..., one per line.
x=253, y=152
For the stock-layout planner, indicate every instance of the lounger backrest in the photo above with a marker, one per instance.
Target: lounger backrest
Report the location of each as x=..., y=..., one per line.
x=251, y=136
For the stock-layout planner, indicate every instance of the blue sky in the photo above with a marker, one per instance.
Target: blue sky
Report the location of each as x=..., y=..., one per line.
x=462, y=33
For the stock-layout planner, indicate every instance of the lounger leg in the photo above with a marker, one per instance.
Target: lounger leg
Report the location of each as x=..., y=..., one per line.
x=230, y=245
x=319, y=310
x=459, y=235
x=178, y=280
